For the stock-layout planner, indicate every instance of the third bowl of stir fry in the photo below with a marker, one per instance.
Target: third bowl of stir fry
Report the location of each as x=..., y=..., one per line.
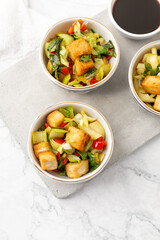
x=144, y=77
x=79, y=54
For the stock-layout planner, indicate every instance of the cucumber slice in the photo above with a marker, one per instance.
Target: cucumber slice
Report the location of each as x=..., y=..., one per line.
x=89, y=145
x=67, y=38
x=66, y=79
x=54, y=145
x=72, y=123
x=96, y=126
x=50, y=67
x=74, y=159
x=57, y=133
x=38, y=137
x=93, y=134
x=45, y=49
x=67, y=148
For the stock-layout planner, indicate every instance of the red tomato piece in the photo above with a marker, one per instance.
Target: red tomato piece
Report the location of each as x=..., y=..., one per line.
x=65, y=70
x=104, y=143
x=47, y=125
x=59, y=156
x=63, y=124
x=80, y=22
x=55, y=170
x=71, y=30
x=70, y=65
x=83, y=27
x=97, y=145
x=77, y=154
x=99, y=139
x=93, y=81
x=65, y=159
x=53, y=52
x=109, y=57
x=59, y=140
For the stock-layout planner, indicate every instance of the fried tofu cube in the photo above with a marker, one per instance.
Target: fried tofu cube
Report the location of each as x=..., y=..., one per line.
x=151, y=84
x=156, y=105
x=48, y=160
x=55, y=118
x=41, y=147
x=83, y=67
x=76, y=170
x=78, y=48
x=77, y=138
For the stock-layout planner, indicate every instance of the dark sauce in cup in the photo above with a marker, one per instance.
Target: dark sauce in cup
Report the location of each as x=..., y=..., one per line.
x=137, y=16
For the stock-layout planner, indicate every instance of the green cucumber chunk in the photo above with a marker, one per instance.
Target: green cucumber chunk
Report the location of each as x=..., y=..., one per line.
x=66, y=37
x=66, y=79
x=70, y=124
x=57, y=133
x=38, y=137
x=54, y=144
x=74, y=159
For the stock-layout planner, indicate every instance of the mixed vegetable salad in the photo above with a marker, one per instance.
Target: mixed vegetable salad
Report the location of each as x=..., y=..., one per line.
x=79, y=57
x=68, y=143
x=147, y=79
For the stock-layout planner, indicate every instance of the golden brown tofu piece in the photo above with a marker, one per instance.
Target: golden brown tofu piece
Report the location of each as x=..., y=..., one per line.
x=83, y=67
x=156, y=105
x=41, y=147
x=55, y=118
x=48, y=160
x=151, y=84
x=76, y=170
x=78, y=48
x=77, y=138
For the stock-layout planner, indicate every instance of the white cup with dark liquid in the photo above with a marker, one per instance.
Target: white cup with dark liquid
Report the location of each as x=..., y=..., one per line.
x=136, y=19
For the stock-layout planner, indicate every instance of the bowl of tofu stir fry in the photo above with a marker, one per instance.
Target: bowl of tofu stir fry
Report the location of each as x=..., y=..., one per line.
x=79, y=54
x=144, y=77
x=70, y=142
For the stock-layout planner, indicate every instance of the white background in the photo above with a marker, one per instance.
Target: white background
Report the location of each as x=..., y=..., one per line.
x=126, y=205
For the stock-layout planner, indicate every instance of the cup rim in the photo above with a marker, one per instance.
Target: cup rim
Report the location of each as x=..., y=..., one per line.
x=69, y=180
x=132, y=35
x=84, y=87
x=130, y=78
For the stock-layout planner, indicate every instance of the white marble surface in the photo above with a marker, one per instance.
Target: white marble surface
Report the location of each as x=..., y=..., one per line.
x=123, y=206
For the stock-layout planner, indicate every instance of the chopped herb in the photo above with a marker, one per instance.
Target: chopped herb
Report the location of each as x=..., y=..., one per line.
x=63, y=173
x=85, y=58
x=42, y=128
x=91, y=30
x=67, y=112
x=83, y=154
x=91, y=73
x=106, y=49
x=54, y=45
x=54, y=59
x=92, y=163
x=150, y=71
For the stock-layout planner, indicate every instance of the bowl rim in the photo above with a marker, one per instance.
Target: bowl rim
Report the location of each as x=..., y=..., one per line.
x=69, y=180
x=130, y=78
x=132, y=35
x=84, y=87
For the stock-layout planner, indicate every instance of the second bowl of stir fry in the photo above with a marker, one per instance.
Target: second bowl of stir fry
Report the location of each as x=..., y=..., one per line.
x=70, y=142
x=79, y=54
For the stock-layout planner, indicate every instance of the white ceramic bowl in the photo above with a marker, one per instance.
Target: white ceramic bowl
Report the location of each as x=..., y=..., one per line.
x=136, y=59
x=41, y=119
x=63, y=26
x=126, y=33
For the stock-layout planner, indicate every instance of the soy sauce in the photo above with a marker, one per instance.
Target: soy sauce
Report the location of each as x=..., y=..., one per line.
x=137, y=16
